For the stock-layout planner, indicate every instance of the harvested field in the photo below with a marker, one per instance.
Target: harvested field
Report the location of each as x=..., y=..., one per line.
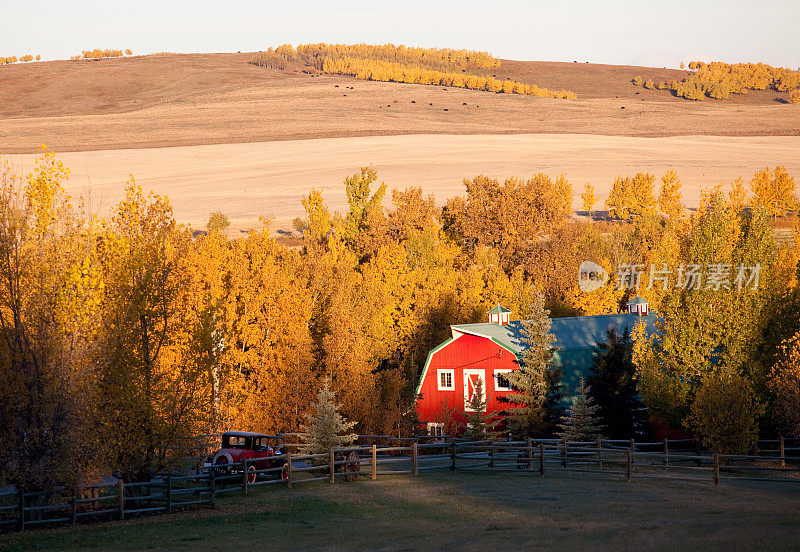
x=190, y=99
x=269, y=178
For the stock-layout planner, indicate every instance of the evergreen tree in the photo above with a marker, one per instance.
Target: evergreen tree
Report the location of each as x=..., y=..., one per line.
x=326, y=428
x=537, y=381
x=480, y=425
x=613, y=387
x=581, y=424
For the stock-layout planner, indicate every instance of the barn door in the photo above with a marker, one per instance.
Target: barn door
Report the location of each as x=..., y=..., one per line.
x=471, y=378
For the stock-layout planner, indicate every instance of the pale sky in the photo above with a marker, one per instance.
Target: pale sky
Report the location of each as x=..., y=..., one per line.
x=643, y=32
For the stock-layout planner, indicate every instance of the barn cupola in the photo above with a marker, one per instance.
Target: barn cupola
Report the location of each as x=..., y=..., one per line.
x=499, y=315
x=638, y=305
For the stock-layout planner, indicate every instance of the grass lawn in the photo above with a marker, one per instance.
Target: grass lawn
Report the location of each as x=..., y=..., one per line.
x=462, y=511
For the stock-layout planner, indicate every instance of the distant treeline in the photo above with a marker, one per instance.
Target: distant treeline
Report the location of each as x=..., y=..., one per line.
x=719, y=80
x=98, y=53
x=13, y=59
x=389, y=63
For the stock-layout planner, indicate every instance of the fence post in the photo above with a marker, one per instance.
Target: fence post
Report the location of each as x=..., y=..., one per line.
x=564, y=454
x=288, y=468
x=415, y=457
x=599, y=453
x=697, y=448
x=74, y=508
x=121, y=498
x=530, y=455
x=169, y=494
x=716, y=469
x=541, y=459
x=374, y=463
x=212, y=487
x=21, y=510
x=332, y=466
x=453, y=456
x=666, y=453
x=244, y=476
x=633, y=458
x=491, y=455
x=783, y=451
x=628, y=471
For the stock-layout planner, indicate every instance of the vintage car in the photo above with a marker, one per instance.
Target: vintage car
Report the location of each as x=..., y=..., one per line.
x=238, y=446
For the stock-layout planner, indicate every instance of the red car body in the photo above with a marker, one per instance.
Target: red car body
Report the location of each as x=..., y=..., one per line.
x=238, y=446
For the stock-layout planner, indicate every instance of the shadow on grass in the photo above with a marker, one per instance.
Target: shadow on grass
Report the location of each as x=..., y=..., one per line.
x=462, y=511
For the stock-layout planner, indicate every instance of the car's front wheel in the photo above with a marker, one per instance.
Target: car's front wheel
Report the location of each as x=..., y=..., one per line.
x=251, y=474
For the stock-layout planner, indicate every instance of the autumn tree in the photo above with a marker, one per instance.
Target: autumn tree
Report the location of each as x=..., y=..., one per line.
x=725, y=411
x=784, y=384
x=589, y=199
x=738, y=195
x=50, y=292
x=631, y=196
x=669, y=196
x=774, y=191
x=151, y=382
x=508, y=216
x=710, y=328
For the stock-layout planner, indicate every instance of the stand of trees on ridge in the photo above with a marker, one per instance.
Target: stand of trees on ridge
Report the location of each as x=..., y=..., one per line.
x=121, y=336
x=99, y=53
x=13, y=59
x=719, y=80
x=389, y=63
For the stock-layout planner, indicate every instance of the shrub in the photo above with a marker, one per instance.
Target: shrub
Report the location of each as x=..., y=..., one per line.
x=638, y=80
x=794, y=96
x=725, y=413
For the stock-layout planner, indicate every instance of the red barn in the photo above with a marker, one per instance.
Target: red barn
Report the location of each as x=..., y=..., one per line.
x=488, y=350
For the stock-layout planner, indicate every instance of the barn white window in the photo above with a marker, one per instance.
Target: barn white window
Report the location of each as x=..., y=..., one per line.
x=435, y=428
x=445, y=380
x=501, y=382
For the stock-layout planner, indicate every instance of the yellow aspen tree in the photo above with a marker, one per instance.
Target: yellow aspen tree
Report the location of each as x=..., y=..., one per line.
x=589, y=199
x=738, y=195
x=669, y=197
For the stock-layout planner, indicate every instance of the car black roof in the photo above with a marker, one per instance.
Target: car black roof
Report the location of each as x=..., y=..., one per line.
x=244, y=434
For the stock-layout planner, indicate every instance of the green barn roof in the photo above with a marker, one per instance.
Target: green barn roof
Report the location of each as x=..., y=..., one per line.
x=577, y=332
x=637, y=301
x=498, y=310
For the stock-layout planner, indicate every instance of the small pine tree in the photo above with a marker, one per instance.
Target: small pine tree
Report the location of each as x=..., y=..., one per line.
x=326, y=428
x=581, y=423
x=536, y=384
x=480, y=425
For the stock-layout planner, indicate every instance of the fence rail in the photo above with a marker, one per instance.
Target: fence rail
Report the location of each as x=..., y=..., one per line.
x=674, y=459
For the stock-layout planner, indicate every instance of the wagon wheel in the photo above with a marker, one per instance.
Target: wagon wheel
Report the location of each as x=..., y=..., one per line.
x=352, y=467
x=285, y=471
x=251, y=474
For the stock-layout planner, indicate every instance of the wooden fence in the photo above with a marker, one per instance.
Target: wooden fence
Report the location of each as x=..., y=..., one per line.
x=673, y=459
